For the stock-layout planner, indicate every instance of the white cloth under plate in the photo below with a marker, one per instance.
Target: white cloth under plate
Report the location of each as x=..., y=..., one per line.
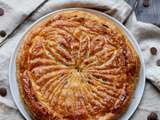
x=16, y=11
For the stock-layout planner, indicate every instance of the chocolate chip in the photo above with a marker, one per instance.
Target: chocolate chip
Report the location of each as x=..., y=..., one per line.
x=152, y=116
x=153, y=50
x=158, y=62
x=1, y=12
x=3, y=91
x=146, y=3
x=2, y=33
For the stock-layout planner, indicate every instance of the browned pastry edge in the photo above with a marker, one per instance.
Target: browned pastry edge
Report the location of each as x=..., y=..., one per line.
x=35, y=108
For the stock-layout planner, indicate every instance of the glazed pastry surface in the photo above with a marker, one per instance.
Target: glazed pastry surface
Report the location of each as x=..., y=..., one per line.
x=75, y=65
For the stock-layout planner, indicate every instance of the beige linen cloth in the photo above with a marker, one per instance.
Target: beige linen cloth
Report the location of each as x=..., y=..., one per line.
x=16, y=12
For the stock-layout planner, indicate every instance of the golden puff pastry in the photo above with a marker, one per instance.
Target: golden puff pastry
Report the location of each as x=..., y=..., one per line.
x=75, y=65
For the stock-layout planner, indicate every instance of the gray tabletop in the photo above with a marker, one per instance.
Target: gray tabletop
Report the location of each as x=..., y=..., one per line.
x=147, y=11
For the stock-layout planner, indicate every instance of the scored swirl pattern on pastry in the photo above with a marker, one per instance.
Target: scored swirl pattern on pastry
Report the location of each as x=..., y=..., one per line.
x=78, y=68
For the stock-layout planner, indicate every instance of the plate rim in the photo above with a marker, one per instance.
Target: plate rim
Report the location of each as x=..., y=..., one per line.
x=12, y=65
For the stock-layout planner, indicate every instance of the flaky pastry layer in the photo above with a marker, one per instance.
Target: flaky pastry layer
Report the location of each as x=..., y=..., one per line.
x=76, y=65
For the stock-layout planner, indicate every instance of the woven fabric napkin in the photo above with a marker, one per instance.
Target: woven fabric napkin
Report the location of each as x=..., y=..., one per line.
x=16, y=14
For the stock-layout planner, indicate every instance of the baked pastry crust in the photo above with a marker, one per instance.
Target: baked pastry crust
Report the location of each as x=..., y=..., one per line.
x=75, y=65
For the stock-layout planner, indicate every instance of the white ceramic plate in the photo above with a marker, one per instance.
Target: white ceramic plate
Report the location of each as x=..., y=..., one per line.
x=139, y=89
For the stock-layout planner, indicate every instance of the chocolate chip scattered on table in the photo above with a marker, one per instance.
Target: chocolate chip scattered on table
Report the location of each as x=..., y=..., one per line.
x=2, y=33
x=3, y=92
x=1, y=12
x=153, y=50
x=152, y=116
x=146, y=3
x=158, y=62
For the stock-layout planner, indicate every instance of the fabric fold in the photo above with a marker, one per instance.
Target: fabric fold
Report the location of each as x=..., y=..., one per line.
x=15, y=11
